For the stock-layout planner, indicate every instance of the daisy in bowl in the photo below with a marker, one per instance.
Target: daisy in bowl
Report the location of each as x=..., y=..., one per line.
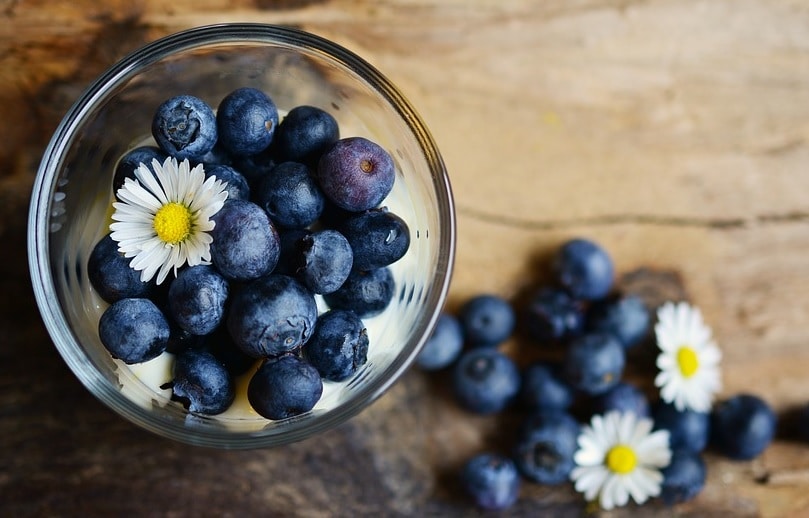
x=688, y=360
x=163, y=218
x=620, y=457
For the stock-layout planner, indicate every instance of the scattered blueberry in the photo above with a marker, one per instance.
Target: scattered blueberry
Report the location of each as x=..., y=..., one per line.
x=487, y=320
x=378, y=238
x=683, y=478
x=339, y=345
x=246, y=120
x=201, y=383
x=356, y=174
x=111, y=275
x=485, y=381
x=742, y=426
x=623, y=397
x=326, y=260
x=125, y=168
x=184, y=126
x=594, y=363
x=284, y=387
x=237, y=186
x=544, y=389
x=584, y=269
x=491, y=480
x=245, y=243
x=305, y=133
x=545, y=447
x=626, y=317
x=134, y=330
x=443, y=346
x=553, y=315
x=365, y=293
x=688, y=430
x=290, y=196
x=197, y=299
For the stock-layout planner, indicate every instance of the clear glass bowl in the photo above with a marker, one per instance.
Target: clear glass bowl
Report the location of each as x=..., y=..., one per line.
x=70, y=211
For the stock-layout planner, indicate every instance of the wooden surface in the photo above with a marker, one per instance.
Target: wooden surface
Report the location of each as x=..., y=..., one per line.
x=674, y=132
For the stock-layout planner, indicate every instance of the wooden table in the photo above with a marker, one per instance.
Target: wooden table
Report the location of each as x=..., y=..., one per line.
x=675, y=133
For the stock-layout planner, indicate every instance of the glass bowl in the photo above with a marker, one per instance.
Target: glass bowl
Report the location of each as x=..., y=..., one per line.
x=72, y=193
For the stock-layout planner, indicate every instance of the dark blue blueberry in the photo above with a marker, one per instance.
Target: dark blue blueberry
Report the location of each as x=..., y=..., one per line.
x=339, y=345
x=201, y=383
x=221, y=345
x=623, y=397
x=742, y=426
x=545, y=446
x=544, y=389
x=111, y=275
x=290, y=196
x=197, y=299
x=487, y=320
x=553, y=315
x=218, y=155
x=443, y=346
x=245, y=243
x=683, y=478
x=181, y=340
x=584, y=269
x=305, y=133
x=246, y=120
x=237, y=186
x=255, y=167
x=271, y=316
x=185, y=127
x=688, y=430
x=365, y=293
x=491, y=480
x=594, y=363
x=284, y=387
x=377, y=237
x=485, y=381
x=289, y=257
x=134, y=330
x=626, y=317
x=356, y=174
x=125, y=168
x=326, y=260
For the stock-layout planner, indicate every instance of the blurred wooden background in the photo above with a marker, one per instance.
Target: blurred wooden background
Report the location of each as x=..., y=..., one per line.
x=674, y=132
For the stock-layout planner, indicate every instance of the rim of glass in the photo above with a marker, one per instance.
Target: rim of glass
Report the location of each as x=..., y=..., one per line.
x=52, y=162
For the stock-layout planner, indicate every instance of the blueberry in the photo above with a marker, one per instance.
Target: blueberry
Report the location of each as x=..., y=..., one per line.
x=545, y=445
x=134, y=330
x=289, y=255
x=197, y=299
x=594, y=363
x=584, y=269
x=491, y=480
x=255, y=167
x=111, y=275
x=338, y=346
x=221, y=345
x=290, y=196
x=180, y=339
x=284, y=387
x=305, y=134
x=125, y=168
x=237, y=186
x=485, y=380
x=544, y=389
x=626, y=317
x=553, y=315
x=683, y=478
x=246, y=120
x=443, y=346
x=245, y=243
x=271, y=316
x=326, y=260
x=185, y=127
x=356, y=174
x=377, y=237
x=365, y=293
x=742, y=426
x=487, y=320
x=688, y=430
x=623, y=397
x=201, y=383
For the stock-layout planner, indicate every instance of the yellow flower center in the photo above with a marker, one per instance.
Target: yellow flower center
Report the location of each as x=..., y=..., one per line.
x=621, y=459
x=172, y=222
x=687, y=361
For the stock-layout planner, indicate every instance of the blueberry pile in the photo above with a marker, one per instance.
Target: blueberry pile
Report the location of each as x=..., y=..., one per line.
x=304, y=221
x=582, y=350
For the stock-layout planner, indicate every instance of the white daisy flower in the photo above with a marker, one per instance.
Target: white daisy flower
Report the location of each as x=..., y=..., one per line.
x=689, y=359
x=619, y=456
x=162, y=220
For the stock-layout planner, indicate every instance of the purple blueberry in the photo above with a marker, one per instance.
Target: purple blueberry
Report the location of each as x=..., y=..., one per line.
x=338, y=346
x=271, y=315
x=245, y=243
x=742, y=426
x=378, y=238
x=246, y=120
x=284, y=387
x=623, y=397
x=688, y=430
x=544, y=389
x=365, y=293
x=485, y=381
x=491, y=480
x=290, y=196
x=134, y=330
x=201, y=383
x=594, y=363
x=325, y=261
x=305, y=133
x=443, y=346
x=553, y=315
x=584, y=269
x=356, y=174
x=289, y=255
x=487, y=320
x=237, y=186
x=626, y=317
x=683, y=478
x=125, y=168
x=545, y=446
x=185, y=127
x=196, y=300
x=111, y=275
